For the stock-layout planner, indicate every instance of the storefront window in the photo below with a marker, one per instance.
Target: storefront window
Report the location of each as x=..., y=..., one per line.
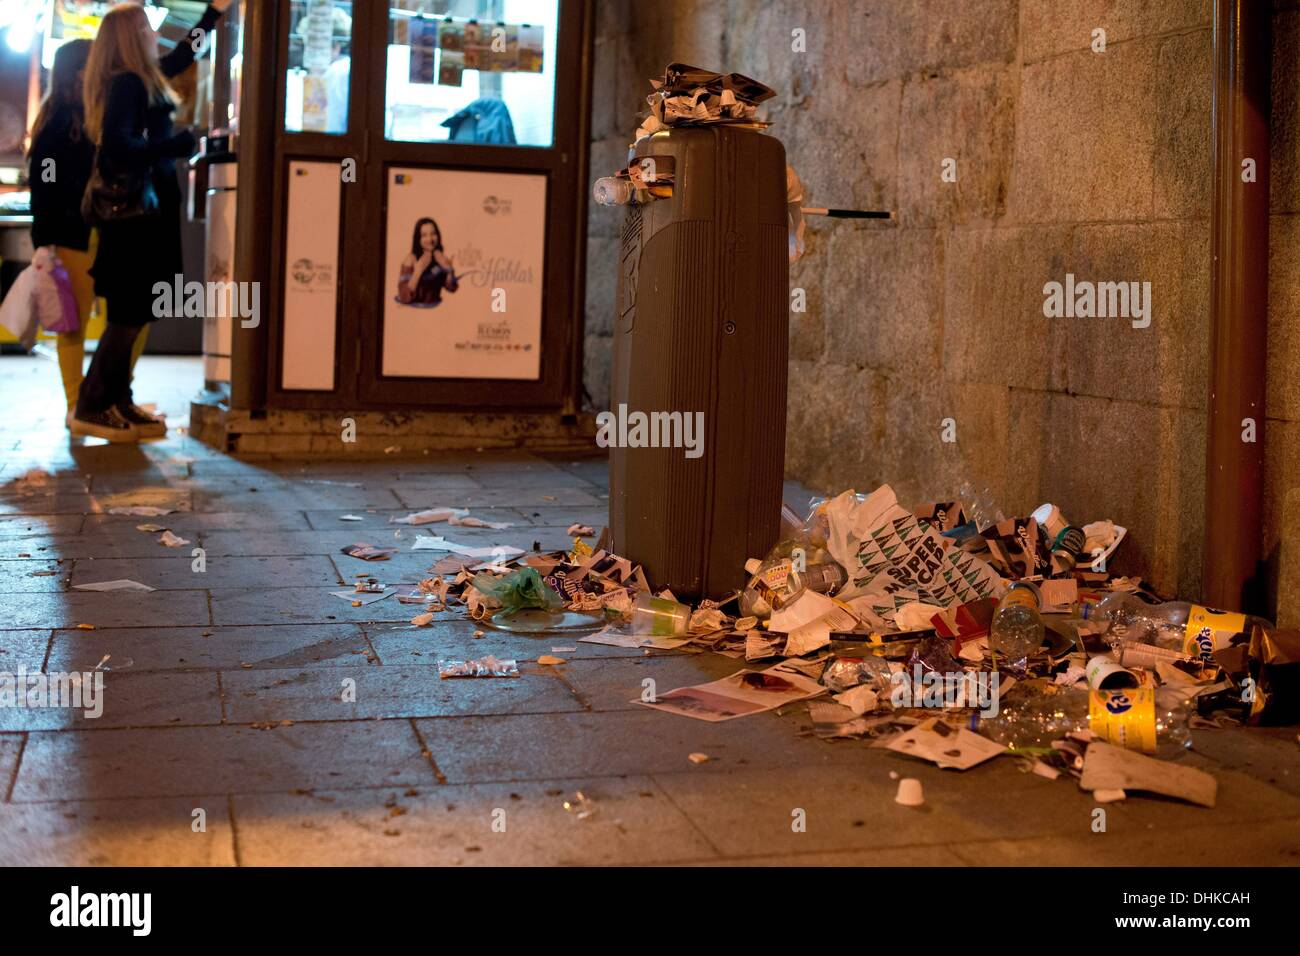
x=471, y=71
x=320, y=63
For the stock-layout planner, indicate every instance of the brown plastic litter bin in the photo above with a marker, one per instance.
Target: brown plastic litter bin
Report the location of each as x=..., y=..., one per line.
x=702, y=331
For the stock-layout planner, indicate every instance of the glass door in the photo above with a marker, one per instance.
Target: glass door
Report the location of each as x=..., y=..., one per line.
x=431, y=158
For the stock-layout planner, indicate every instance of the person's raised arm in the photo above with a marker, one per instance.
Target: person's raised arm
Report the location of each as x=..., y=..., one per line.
x=177, y=61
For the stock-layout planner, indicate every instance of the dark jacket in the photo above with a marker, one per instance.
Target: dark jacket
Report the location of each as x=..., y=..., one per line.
x=135, y=254
x=56, y=205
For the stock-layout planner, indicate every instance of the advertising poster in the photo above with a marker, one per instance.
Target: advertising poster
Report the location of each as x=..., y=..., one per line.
x=463, y=276
x=311, y=275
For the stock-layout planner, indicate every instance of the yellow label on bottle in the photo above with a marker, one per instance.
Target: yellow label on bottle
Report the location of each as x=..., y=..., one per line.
x=1209, y=630
x=1126, y=718
x=1020, y=597
x=774, y=577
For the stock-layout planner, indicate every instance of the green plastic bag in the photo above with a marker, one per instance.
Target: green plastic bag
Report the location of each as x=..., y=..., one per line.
x=517, y=590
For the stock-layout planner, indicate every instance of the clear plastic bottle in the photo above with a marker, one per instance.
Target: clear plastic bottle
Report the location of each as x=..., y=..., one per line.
x=612, y=191
x=775, y=582
x=1030, y=718
x=1017, y=627
x=979, y=506
x=1192, y=629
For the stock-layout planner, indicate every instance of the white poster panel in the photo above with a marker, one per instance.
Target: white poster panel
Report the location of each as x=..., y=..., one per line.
x=463, y=274
x=311, y=276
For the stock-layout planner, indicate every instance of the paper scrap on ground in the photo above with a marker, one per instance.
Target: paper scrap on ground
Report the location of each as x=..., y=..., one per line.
x=141, y=511
x=1106, y=767
x=367, y=552
x=122, y=584
x=937, y=742
x=581, y=530
x=612, y=637
x=439, y=543
x=741, y=694
x=351, y=518
x=808, y=621
x=172, y=540
x=361, y=597
x=428, y=516
x=151, y=528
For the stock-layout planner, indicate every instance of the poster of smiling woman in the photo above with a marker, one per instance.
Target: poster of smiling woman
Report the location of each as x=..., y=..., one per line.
x=463, y=274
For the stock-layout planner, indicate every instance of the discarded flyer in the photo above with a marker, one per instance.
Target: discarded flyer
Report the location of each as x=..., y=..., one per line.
x=363, y=598
x=948, y=748
x=611, y=636
x=743, y=693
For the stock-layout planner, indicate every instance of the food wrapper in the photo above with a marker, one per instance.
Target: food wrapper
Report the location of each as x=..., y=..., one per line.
x=1274, y=661
x=896, y=558
x=943, y=515
x=483, y=667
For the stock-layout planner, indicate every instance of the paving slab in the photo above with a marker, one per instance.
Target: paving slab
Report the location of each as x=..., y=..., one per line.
x=364, y=692
x=617, y=684
x=1269, y=843
x=99, y=544
x=292, y=497
x=207, y=648
x=177, y=571
x=41, y=574
x=11, y=748
x=535, y=747
x=300, y=606
x=104, y=608
x=180, y=761
x=186, y=523
x=25, y=648
x=37, y=526
x=399, y=643
x=139, y=832
x=523, y=824
x=536, y=496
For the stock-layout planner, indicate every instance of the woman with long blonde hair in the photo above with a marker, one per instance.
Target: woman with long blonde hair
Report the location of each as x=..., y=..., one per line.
x=128, y=116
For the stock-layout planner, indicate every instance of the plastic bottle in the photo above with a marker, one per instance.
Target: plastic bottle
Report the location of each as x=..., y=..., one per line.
x=979, y=507
x=612, y=191
x=773, y=582
x=1029, y=718
x=1017, y=627
x=1192, y=629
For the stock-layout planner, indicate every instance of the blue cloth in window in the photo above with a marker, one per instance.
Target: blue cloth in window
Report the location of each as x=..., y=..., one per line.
x=485, y=120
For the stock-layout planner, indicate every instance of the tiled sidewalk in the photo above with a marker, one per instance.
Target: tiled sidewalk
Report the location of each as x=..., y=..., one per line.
x=224, y=693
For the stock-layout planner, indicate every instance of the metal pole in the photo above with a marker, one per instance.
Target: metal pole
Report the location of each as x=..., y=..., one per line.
x=1238, y=305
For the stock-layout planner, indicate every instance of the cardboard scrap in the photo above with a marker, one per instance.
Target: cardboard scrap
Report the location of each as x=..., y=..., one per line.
x=1106, y=767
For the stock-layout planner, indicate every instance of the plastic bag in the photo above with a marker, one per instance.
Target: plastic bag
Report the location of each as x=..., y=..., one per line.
x=483, y=667
x=56, y=306
x=518, y=590
x=17, y=314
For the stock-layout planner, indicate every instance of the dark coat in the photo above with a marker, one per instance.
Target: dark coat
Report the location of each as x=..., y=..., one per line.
x=136, y=254
x=56, y=206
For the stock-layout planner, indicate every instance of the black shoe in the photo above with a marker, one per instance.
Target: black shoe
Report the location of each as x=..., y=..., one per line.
x=149, y=426
x=107, y=424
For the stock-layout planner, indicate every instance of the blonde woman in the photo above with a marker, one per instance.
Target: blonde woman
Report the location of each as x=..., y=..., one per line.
x=129, y=107
x=58, y=167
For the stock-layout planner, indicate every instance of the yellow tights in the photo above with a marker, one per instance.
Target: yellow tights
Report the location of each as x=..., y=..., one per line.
x=72, y=345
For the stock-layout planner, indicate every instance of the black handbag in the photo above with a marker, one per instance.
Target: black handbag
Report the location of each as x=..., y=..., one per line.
x=115, y=196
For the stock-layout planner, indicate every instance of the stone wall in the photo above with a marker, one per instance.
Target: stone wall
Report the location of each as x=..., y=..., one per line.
x=1068, y=160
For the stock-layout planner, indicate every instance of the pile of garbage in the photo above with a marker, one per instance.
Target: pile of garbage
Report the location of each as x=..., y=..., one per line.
x=948, y=632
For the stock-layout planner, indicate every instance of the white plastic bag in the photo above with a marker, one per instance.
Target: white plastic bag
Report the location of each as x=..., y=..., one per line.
x=18, y=313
